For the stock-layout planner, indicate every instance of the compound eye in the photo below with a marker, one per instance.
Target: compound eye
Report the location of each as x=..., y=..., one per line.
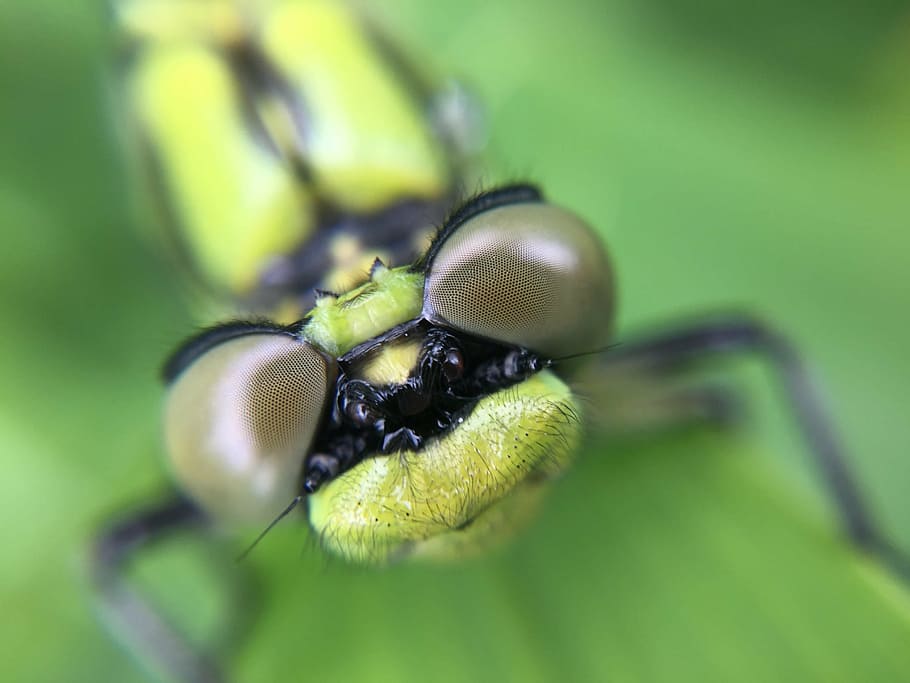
x=530, y=274
x=239, y=421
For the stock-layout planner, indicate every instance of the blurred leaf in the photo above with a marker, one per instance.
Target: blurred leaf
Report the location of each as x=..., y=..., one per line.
x=718, y=176
x=682, y=563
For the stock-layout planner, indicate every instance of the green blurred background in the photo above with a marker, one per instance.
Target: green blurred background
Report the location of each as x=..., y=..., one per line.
x=744, y=155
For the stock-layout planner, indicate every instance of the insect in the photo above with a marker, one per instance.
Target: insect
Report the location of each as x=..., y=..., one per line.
x=423, y=411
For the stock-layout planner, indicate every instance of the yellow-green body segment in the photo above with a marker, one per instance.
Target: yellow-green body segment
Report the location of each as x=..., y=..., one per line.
x=257, y=119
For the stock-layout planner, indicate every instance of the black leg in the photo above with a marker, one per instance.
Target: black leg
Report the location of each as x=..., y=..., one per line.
x=685, y=346
x=132, y=618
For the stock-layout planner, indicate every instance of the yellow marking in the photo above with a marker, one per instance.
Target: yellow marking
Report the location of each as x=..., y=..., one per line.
x=213, y=21
x=392, y=363
x=367, y=141
x=423, y=239
x=351, y=264
x=236, y=203
x=345, y=248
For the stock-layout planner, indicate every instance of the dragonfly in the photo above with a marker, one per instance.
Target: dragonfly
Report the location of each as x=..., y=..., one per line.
x=407, y=365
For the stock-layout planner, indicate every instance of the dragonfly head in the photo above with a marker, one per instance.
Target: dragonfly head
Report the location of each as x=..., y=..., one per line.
x=420, y=413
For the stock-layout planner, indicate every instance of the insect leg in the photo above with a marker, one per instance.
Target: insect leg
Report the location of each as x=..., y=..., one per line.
x=685, y=346
x=129, y=614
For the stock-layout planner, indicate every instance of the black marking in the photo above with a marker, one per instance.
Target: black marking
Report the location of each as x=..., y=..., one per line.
x=392, y=230
x=369, y=420
x=415, y=326
x=523, y=193
x=194, y=347
x=256, y=80
x=322, y=467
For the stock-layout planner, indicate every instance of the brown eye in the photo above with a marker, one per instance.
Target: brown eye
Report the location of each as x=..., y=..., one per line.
x=527, y=274
x=239, y=422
